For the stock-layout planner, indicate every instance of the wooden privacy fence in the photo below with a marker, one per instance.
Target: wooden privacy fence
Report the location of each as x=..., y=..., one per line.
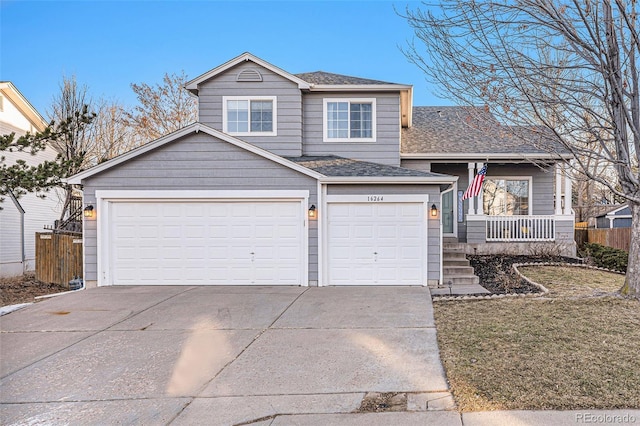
x=58, y=257
x=619, y=238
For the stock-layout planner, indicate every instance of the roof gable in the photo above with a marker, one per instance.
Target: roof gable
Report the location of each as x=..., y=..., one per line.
x=192, y=85
x=193, y=128
x=617, y=211
x=10, y=92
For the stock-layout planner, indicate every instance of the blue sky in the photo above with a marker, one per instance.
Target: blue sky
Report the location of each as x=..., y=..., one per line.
x=108, y=45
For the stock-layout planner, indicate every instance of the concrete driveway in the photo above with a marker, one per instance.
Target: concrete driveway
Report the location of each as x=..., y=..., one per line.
x=222, y=355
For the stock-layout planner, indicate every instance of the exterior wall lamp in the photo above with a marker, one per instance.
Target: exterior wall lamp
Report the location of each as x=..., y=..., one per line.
x=434, y=211
x=88, y=211
x=312, y=211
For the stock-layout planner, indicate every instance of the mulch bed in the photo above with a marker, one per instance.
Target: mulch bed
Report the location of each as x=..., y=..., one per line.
x=496, y=273
x=24, y=289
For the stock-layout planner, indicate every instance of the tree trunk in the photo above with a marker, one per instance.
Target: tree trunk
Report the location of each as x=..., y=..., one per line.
x=68, y=190
x=632, y=282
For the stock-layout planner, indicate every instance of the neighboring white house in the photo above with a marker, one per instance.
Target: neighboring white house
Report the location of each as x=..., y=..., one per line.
x=21, y=218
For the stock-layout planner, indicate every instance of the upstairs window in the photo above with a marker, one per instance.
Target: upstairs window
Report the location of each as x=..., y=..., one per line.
x=349, y=120
x=253, y=116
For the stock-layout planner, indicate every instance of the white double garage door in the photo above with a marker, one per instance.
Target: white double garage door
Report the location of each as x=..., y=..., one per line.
x=259, y=240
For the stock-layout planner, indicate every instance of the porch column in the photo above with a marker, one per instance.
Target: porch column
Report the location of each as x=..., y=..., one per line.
x=567, y=190
x=480, y=205
x=558, y=189
x=472, y=199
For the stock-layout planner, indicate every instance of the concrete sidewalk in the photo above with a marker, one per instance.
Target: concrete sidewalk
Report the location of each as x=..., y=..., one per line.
x=217, y=355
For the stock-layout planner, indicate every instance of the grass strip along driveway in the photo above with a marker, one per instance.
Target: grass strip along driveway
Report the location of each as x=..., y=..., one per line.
x=575, y=348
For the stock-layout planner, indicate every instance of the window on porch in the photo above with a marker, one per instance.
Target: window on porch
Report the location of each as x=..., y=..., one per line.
x=506, y=197
x=506, y=204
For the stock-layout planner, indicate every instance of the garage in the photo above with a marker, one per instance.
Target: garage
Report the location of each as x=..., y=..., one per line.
x=381, y=242
x=239, y=241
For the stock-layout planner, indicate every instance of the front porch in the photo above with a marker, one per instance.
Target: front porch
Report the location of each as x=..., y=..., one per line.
x=530, y=213
x=521, y=235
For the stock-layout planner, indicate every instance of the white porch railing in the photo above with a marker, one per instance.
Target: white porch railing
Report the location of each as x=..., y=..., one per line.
x=520, y=228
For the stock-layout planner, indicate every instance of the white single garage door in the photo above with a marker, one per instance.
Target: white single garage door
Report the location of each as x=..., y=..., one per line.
x=206, y=242
x=377, y=243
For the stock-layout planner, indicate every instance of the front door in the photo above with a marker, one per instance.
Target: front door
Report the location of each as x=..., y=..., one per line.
x=448, y=205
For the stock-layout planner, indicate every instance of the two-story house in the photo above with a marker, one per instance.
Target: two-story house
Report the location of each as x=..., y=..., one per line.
x=21, y=218
x=305, y=179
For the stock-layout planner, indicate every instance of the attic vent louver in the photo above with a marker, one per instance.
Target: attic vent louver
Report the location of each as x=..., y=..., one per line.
x=249, y=75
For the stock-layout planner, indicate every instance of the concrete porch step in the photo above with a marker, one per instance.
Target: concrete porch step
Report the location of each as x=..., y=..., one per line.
x=457, y=270
x=460, y=279
x=454, y=262
x=453, y=247
x=448, y=255
x=455, y=266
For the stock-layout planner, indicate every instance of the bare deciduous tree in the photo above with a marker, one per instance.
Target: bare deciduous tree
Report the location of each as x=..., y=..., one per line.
x=571, y=67
x=163, y=108
x=71, y=110
x=111, y=133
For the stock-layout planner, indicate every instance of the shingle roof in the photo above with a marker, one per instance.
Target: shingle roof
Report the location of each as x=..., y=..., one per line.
x=462, y=130
x=332, y=165
x=321, y=77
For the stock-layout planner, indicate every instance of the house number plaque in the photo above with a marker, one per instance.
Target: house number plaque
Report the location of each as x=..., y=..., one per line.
x=375, y=198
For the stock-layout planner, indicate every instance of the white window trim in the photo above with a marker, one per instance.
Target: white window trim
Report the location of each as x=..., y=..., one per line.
x=273, y=99
x=527, y=178
x=371, y=101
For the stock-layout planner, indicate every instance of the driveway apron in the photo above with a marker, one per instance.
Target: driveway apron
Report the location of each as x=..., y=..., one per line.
x=217, y=355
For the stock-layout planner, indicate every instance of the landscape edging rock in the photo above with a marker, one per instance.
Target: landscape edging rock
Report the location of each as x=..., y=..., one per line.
x=543, y=290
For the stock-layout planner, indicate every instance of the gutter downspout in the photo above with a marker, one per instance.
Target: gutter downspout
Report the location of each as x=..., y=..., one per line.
x=22, y=247
x=23, y=254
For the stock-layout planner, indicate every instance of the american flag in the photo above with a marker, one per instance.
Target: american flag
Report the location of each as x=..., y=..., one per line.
x=474, y=188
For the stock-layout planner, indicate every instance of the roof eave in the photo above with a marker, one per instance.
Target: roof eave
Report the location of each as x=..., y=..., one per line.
x=484, y=156
x=359, y=87
x=389, y=179
x=192, y=85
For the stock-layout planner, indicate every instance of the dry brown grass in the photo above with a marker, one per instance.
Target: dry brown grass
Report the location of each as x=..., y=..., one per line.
x=569, y=350
x=573, y=281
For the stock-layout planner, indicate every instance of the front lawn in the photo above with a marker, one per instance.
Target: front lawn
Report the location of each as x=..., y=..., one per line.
x=575, y=348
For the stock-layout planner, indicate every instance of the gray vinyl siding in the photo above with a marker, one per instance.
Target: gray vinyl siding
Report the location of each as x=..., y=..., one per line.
x=433, y=226
x=565, y=231
x=288, y=141
x=476, y=232
x=197, y=162
x=386, y=148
